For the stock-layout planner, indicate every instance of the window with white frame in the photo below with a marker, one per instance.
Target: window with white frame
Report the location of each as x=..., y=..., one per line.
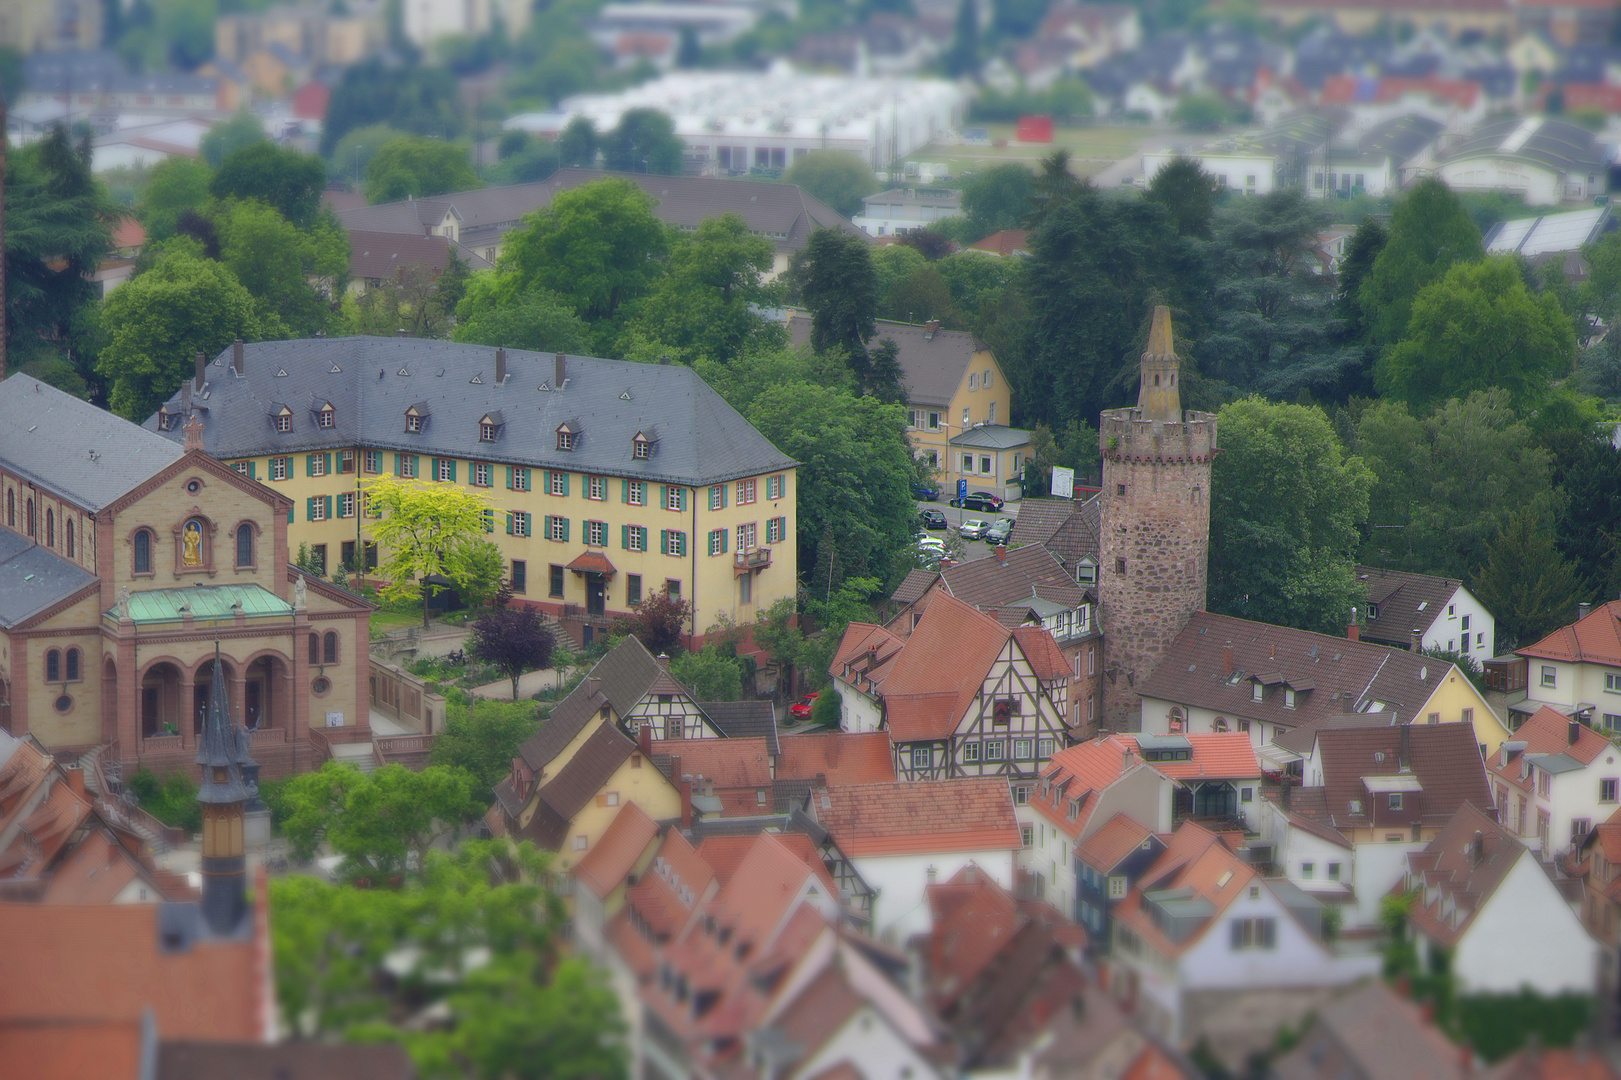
x=596, y=533
x=1612, y=682
x=970, y=751
x=773, y=487
x=672, y=498
x=995, y=749
x=636, y=492
x=745, y=492
x=717, y=541
x=481, y=474
x=596, y=488
x=1117, y=887
x=520, y=523
x=746, y=537
x=717, y=496
x=922, y=757
x=1022, y=749
x=1550, y=675
x=559, y=483
x=556, y=527
x=1046, y=747
x=446, y=469
x=279, y=468
x=346, y=504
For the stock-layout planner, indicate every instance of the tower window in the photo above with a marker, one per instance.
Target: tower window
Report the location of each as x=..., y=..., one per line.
x=1119, y=565
x=1120, y=489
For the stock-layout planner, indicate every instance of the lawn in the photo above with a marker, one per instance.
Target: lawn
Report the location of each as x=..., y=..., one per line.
x=1093, y=148
x=383, y=622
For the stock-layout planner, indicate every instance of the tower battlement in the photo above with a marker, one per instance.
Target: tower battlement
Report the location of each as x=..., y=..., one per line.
x=1125, y=435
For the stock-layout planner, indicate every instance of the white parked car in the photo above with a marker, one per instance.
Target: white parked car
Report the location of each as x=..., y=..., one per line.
x=973, y=528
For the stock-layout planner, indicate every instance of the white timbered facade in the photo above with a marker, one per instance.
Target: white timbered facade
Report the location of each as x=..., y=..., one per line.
x=670, y=711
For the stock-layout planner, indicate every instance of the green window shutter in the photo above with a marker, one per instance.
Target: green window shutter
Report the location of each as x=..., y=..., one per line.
x=309, y=509
x=328, y=458
x=724, y=535
x=328, y=507
x=680, y=543
x=546, y=481
x=416, y=466
x=681, y=497
x=453, y=470
x=289, y=514
x=565, y=483
x=509, y=477
x=253, y=470
x=509, y=522
x=664, y=541
x=399, y=464
x=723, y=488
x=309, y=464
x=624, y=491
x=624, y=537
x=565, y=530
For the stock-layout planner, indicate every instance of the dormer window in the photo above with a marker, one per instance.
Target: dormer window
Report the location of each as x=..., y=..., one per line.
x=416, y=418
x=489, y=426
x=327, y=417
x=1288, y=697
x=486, y=433
x=566, y=436
x=413, y=423
x=640, y=448
x=1257, y=691
x=1086, y=571
x=284, y=420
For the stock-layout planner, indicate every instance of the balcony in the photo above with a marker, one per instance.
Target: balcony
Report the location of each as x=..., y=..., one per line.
x=747, y=562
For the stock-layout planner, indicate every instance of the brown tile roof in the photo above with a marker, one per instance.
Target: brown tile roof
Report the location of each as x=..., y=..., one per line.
x=1444, y=759
x=1023, y=572
x=1308, y=810
x=925, y=698
x=1403, y=602
x=1595, y=639
x=728, y=763
x=1373, y=1034
x=743, y=720
x=283, y=1061
x=913, y=586
x=1046, y=658
x=870, y=652
x=621, y=846
x=72, y=1050
x=875, y=820
x=933, y=365
x=1005, y=243
x=619, y=680
x=376, y=256
x=1300, y=740
x=1068, y=528
x=1117, y=838
x=108, y=963
x=1343, y=676
x=577, y=783
x=842, y=757
x=1555, y=1064
x=1547, y=742
x=1448, y=865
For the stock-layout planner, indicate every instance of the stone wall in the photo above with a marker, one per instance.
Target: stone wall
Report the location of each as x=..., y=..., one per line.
x=1154, y=547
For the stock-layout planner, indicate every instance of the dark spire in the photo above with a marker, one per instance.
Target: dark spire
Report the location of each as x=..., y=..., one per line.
x=224, y=746
x=225, y=790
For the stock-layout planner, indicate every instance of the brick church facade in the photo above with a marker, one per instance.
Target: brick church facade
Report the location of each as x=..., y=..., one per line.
x=124, y=558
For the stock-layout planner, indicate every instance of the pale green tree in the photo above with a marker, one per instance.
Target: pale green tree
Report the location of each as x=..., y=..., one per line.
x=421, y=530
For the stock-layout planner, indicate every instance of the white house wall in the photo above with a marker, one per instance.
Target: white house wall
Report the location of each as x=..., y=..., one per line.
x=1380, y=867
x=1526, y=935
x=857, y=711
x=868, y=1040
x=899, y=908
x=1447, y=632
x=1539, y=186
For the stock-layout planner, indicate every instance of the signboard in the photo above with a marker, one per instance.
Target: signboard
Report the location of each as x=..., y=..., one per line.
x=1063, y=482
x=334, y=719
x=962, y=491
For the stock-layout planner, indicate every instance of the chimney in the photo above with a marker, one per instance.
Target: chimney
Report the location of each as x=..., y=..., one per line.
x=198, y=380
x=1415, y=641
x=821, y=782
x=1001, y=554
x=1286, y=784
x=1227, y=660
x=236, y=356
x=560, y=372
x=501, y=365
x=644, y=739
x=1406, y=747
x=1575, y=732
x=1477, y=851
x=933, y=875
x=1583, y=611
x=931, y=328
x=1125, y=758
x=402, y=332
x=1353, y=632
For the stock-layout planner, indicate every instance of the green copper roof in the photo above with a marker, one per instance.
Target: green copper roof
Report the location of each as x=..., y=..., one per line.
x=207, y=602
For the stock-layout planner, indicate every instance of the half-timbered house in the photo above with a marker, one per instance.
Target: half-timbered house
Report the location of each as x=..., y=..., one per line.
x=961, y=696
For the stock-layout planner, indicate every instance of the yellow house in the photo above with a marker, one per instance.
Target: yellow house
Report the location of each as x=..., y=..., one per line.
x=608, y=481
x=958, y=403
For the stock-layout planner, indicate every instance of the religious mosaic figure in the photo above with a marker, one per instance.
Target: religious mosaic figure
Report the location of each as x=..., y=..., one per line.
x=192, y=541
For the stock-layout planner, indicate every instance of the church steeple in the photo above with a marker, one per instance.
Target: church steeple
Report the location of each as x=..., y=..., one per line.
x=222, y=752
x=1160, y=398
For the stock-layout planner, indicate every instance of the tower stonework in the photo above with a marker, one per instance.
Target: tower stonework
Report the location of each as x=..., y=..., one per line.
x=1155, y=541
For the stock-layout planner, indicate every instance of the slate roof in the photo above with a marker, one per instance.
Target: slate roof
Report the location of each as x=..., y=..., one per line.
x=1372, y=1034
x=1447, y=864
x=879, y=820
x=1024, y=572
x=785, y=213
x=933, y=363
x=371, y=381
x=577, y=783
x=33, y=578
x=382, y=255
x=1547, y=143
x=1402, y=602
x=1344, y=676
x=1444, y=759
x=913, y=586
x=1067, y=528
x=992, y=437
x=743, y=720
x=71, y=448
x=1593, y=640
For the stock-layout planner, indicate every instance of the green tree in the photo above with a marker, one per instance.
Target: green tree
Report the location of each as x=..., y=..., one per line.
x=644, y=141
x=273, y=259
x=838, y=281
x=596, y=246
x=537, y=320
x=411, y=98
x=963, y=56
x=534, y=161
x=420, y=529
x=383, y=823
x=351, y=154
x=708, y=302
x=513, y=640
x=1429, y=232
x=1525, y=582
x=577, y=144
x=1444, y=484
x=410, y=166
x=776, y=630
x=482, y=737
x=285, y=179
x=710, y=674
x=178, y=184
x=158, y=321
x=838, y=179
x=1478, y=327
x=1588, y=524
x=659, y=622
x=1285, y=508
x=228, y=136
x=479, y=569
x=996, y=199
x=1183, y=187
x=417, y=301
x=1200, y=112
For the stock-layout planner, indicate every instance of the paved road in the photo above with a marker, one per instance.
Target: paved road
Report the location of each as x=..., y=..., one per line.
x=972, y=549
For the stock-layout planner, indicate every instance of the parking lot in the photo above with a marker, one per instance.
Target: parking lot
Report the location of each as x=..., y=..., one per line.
x=971, y=549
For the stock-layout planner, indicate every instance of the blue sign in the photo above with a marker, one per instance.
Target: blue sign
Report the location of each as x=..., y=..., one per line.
x=962, y=490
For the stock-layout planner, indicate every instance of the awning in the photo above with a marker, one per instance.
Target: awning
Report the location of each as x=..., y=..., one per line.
x=1389, y=785
x=592, y=562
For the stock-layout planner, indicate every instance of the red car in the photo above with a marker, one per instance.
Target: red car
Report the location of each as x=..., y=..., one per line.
x=801, y=709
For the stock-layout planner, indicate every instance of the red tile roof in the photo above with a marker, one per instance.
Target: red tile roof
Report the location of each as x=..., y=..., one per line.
x=842, y=757
x=1082, y=773
x=1443, y=758
x=1595, y=639
x=1046, y=658
x=869, y=651
x=1448, y=865
x=129, y=234
x=925, y=698
x=592, y=562
x=1555, y=1064
x=74, y=1050
x=621, y=846
x=1196, y=861
x=1005, y=243
x=876, y=820
x=1224, y=755
x=1547, y=733
x=1117, y=838
x=728, y=763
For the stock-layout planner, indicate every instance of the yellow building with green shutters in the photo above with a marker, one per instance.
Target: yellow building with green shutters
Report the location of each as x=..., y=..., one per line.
x=608, y=481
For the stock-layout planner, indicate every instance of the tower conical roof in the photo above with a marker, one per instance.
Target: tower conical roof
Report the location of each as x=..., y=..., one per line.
x=223, y=746
x=1159, y=398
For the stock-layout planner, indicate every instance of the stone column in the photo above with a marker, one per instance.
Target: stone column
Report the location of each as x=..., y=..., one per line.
x=188, y=709
x=129, y=694
x=239, y=693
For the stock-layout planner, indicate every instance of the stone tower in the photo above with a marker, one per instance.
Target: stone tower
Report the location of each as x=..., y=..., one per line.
x=224, y=793
x=1155, y=539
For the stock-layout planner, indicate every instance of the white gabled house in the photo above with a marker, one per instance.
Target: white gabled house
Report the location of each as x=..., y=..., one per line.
x=1554, y=781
